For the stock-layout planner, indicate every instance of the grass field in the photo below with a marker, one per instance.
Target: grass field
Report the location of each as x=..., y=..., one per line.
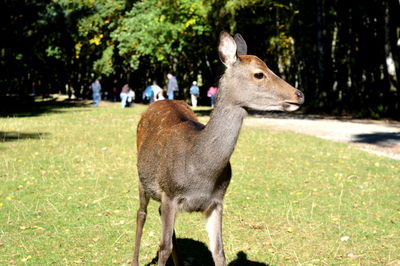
x=68, y=195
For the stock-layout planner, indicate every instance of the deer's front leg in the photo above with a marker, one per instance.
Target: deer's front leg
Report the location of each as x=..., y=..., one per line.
x=168, y=214
x=214, y=229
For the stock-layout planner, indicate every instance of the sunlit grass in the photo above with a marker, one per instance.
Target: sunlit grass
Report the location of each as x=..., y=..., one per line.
x=68, y=195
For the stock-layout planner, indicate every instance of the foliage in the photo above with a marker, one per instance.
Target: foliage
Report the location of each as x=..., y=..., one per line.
x=157, y=37
x=342, y=54
x=104, y=65
x=69, y=196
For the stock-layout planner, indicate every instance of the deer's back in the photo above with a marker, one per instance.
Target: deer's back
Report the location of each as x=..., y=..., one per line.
x=162, y=116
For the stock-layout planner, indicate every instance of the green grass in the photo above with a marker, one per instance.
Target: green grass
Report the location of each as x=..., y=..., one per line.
x=68, y=195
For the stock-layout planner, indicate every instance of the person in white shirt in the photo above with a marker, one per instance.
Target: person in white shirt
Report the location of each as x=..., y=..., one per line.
x=157, y=93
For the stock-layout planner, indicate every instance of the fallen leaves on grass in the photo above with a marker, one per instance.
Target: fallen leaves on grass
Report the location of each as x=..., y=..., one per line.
x=97, y=238
x=26, y=258
x=253, y=225
x=344, y=238
x=25, y=227
x=353, y=256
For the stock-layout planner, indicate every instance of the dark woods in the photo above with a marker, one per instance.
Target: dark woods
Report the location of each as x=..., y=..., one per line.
x=344, y=55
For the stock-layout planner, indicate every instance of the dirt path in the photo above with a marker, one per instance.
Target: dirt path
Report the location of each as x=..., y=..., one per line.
x=379, y=137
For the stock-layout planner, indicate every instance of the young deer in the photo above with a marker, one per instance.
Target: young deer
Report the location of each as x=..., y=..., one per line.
x=184, y=164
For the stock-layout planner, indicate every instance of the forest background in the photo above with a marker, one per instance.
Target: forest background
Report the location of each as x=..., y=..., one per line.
x=344, y=55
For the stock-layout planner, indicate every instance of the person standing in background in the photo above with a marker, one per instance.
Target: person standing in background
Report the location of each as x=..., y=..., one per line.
x=96, y=90
x=114, y=94
x=194, y=93
x=172, y=86
x=212, y=93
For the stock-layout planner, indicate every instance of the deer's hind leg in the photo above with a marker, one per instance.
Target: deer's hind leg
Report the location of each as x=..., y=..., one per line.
x=140, y=221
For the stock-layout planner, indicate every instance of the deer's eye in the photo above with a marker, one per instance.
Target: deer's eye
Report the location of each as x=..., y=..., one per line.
x=259, y=75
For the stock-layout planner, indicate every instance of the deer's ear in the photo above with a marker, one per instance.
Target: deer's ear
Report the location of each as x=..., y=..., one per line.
x=241, y=44
x=227, y=49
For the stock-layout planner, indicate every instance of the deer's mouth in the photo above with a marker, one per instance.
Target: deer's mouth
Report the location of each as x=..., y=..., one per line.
x=290, y=106
x=281, y=106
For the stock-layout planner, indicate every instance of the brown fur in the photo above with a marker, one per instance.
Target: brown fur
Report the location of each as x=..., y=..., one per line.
x=163, y=115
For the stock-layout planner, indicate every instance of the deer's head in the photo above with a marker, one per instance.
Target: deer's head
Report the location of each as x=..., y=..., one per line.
x=249, y=83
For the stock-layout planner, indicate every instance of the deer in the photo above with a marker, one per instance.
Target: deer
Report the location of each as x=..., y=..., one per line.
x=184, y=164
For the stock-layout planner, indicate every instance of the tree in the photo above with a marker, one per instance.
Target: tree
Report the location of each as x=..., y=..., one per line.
x=343, y=54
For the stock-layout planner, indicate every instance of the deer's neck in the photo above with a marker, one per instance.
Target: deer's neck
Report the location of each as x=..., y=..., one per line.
x=216, y=142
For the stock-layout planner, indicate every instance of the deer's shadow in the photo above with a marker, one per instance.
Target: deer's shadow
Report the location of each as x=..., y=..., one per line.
x=195, y=253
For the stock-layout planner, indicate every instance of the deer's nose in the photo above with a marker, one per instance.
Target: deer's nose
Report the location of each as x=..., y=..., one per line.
x=300, y=95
